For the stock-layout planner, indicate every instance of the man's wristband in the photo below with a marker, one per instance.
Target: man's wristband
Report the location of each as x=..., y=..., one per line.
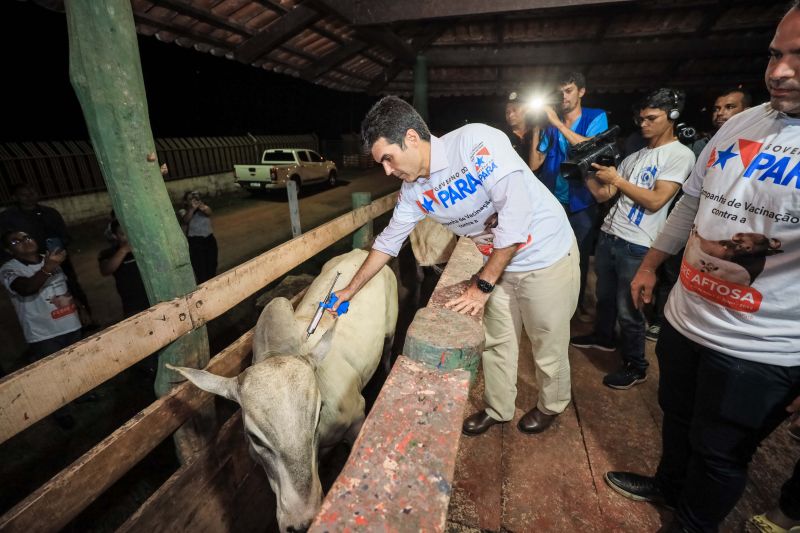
x=653, y=272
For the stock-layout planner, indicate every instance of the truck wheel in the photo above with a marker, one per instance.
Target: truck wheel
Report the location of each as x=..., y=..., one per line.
x=332, y=179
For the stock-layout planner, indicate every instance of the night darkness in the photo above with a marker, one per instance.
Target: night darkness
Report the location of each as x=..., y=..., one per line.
x=192, y=93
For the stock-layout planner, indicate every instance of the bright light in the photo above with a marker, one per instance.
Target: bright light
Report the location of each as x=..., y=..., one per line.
x=536, y=103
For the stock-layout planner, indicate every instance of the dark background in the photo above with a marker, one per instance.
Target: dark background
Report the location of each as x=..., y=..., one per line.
x=192, y=93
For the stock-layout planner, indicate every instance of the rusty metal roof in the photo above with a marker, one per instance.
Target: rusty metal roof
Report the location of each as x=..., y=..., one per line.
x=477, y=47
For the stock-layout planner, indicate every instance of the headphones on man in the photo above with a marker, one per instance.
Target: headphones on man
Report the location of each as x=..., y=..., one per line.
x=674, y=113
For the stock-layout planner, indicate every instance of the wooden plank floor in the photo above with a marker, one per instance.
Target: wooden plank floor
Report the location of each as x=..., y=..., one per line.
x=508, y=481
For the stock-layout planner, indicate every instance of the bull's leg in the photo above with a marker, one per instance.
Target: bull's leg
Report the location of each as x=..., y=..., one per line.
x=353, y=431
x=386, y=354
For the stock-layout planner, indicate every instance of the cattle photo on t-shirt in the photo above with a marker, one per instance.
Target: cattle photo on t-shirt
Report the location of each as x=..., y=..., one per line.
x=739, y=259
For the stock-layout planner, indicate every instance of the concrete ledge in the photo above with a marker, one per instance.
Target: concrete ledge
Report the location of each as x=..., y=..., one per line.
x=400, y=472
x=91, y=206
x=443, y=338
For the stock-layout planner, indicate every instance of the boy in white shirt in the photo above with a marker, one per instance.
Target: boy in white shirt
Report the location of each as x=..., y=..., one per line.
x=647, y=181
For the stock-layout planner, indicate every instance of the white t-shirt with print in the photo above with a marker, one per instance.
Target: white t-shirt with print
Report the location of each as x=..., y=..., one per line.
x=631, y=221
x=48, y=313
x=738, y=291
x=479, y=187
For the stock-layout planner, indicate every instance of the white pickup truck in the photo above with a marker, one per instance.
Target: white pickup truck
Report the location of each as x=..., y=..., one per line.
x=278, y=166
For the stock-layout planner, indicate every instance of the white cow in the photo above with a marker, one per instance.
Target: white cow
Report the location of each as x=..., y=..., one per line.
x=301, y=398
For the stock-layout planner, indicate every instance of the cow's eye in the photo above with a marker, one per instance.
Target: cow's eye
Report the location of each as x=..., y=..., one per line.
x=258, y=442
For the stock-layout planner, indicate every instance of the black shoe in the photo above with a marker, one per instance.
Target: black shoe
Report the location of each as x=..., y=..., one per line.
x=625, y=378
x=637, y=487
x=653, y=332
x=591, y=341
x=535, y=421
x=478, y=423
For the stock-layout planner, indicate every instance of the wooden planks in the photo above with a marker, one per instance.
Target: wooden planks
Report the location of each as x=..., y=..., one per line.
x=30, y=394
x=217, y=295
x=400, y=472
x=34, y=392
x=220, y=490
x=53, y=505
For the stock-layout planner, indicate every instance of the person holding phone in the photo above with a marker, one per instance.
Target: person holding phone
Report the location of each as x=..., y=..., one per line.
x=47, y=228
x=38, y=289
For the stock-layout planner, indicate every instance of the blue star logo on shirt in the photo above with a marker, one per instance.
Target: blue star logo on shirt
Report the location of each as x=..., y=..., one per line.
x=724, y=155
x=479, y=161
x=427, y=203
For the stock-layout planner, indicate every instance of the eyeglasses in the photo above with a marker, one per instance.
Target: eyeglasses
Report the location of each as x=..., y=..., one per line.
x=24, y=238
x=649, y=118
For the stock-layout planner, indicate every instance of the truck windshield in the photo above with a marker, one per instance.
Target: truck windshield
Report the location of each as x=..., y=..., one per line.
x=279, y=157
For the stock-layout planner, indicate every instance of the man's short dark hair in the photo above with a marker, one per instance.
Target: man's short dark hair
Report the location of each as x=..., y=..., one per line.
x=663, y=98
x=747, y=98
x=573, y=77
x=390, y=118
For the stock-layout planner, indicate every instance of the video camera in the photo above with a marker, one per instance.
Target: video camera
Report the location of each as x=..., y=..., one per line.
x=601, y=149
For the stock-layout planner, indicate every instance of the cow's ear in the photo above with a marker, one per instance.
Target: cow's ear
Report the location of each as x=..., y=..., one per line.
x=322, y=348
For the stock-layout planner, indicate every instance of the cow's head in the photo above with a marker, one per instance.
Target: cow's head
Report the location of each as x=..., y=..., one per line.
x=280, y=404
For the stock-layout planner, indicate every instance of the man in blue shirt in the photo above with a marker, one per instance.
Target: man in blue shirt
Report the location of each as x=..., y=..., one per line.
x=571, y=125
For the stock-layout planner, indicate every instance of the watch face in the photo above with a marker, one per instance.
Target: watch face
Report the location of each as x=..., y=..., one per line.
x=485, y=286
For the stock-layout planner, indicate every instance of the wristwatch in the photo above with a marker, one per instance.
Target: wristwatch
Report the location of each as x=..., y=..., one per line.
x=484, y=286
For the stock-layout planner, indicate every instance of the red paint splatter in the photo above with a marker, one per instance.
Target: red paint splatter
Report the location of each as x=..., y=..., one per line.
x=401, y=447
x=361, y=521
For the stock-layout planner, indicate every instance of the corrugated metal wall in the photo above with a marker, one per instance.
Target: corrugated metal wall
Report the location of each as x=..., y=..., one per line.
x=56, y=169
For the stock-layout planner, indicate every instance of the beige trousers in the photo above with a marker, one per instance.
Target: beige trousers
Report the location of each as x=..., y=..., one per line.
x=543, y=301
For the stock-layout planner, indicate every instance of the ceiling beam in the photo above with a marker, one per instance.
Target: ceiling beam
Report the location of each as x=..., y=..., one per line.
x=595, y=85
x=187, y=33
x=203, y=15
x=418, y=44
x=331, y=60
x=287, y=26
x=367, y=12
x=610, y=51
x=383, y=36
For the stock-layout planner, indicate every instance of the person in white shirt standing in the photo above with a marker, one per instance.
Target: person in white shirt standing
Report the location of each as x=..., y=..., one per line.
x=38, y=290
x=472, y=181
x=729, y=354
x=646, y=181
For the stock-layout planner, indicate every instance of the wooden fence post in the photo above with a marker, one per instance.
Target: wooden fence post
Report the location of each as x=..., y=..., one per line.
x=294, y=207
x=106, y=73
x=363, y=236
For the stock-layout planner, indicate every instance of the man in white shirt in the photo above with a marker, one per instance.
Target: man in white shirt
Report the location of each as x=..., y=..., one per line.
x=729, y=354
x=38, y=290
x=473, y=182
x=647, y=180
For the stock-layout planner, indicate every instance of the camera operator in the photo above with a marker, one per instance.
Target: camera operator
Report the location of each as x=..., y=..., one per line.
x=646, y=182
x=729, y=103
x=571, y=125
x=519, y=131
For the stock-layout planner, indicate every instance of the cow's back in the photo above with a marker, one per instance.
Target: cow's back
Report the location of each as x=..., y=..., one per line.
x=358, y=341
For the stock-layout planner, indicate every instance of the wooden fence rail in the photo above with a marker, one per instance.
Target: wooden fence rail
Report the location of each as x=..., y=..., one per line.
x=34, y=392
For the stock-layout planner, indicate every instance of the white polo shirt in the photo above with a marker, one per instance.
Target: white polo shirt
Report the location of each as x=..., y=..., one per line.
x=480, y=188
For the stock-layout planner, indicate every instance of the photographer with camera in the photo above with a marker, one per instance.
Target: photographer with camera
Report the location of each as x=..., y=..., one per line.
x=572, y=124
x=195, y=218
x=646, y=182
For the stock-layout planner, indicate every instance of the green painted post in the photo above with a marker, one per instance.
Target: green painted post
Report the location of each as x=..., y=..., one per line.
x=106, y=73
x=363, y=235
x=421, y=86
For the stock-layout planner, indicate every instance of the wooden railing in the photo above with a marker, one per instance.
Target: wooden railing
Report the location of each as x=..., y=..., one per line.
x=39, y=389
